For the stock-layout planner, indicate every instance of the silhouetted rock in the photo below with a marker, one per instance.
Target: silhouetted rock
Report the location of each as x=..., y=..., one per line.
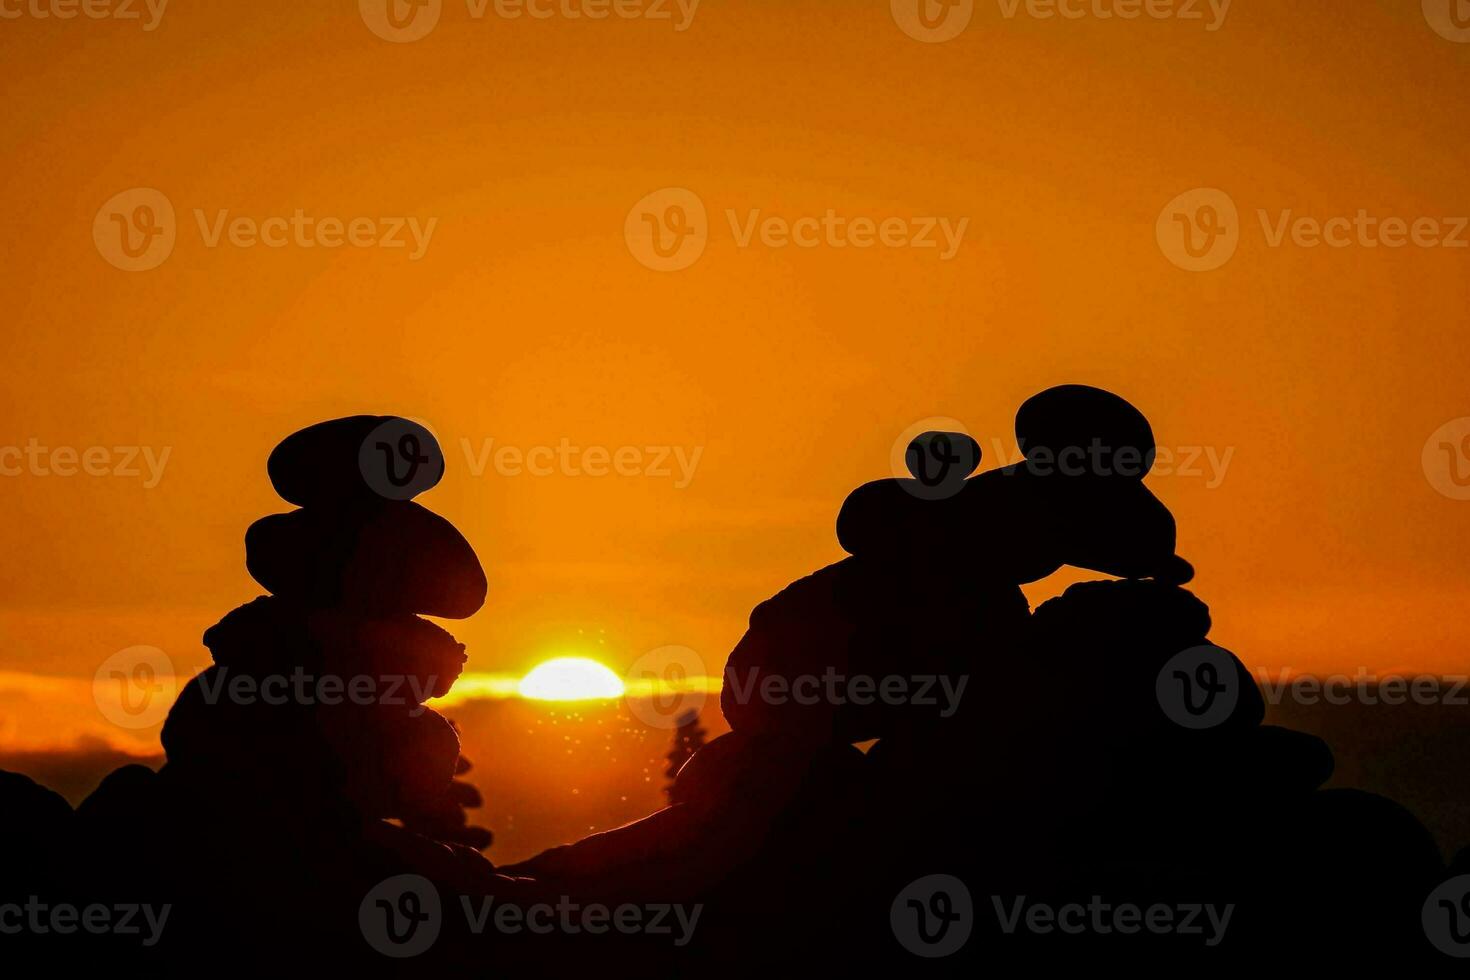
x=122, y=795
x=932, y=587
x=1358, y=870
x=752, y=823
x=1164, y=618
x=385, y=558
x=1103, y=644
x=383, y=759
x=1279, y=760
x=287, y=756
x=888, y=521
x=264, y=635
x=939, y=463
x=1078, y=430
x=395, y=760
x=1101, y=748
x=741, y=769
x=1077, y=499
x=37, y=827
x=425, y=654
x=405, y=655
x=814, y=663
x=348, y=460
x=443, y=818
x=26, y=806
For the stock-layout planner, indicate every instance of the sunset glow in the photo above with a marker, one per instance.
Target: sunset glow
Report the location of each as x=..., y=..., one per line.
x=571, y=679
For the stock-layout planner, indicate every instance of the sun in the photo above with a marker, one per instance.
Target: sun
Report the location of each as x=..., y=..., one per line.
x=570, y=679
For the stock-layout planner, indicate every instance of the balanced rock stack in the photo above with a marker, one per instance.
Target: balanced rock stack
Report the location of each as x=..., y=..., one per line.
x=1076, y=498
x=925, y=628
x=938, y=558
x=316, y=698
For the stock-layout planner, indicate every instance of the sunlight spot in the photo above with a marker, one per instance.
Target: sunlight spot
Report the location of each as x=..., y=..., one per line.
x=571, y=679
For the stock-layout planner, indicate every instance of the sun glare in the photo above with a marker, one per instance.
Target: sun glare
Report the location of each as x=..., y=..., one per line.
x=570, y=679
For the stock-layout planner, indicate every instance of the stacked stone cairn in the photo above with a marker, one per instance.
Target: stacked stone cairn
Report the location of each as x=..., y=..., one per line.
x=317, y=690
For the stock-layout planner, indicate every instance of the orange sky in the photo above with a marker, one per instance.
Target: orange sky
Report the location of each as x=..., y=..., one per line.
x=1319, y=372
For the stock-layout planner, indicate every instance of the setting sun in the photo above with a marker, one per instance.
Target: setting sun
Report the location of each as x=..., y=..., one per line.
x=571, y=679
